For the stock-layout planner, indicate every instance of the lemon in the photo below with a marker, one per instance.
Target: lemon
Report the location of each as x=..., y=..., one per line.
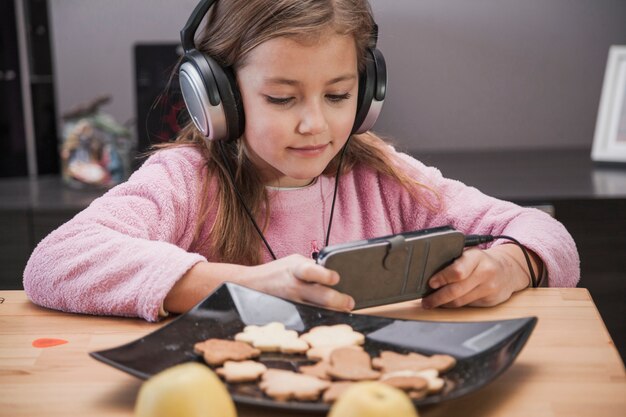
x=373, y=399
x=187, y=390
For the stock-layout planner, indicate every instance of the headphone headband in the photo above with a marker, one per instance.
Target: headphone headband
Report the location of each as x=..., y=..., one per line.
x=188, y=32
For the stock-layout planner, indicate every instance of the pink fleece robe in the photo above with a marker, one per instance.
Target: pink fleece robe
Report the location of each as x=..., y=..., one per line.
x=123, y=253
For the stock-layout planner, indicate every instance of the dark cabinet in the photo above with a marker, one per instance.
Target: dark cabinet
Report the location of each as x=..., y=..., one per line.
x=28, y=133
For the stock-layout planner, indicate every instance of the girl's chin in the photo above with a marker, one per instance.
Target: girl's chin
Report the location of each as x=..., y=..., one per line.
x=296, y=173
x=290, y=182
x=294, y=179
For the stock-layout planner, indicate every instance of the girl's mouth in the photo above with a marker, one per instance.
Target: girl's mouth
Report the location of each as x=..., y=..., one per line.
x=309, y=151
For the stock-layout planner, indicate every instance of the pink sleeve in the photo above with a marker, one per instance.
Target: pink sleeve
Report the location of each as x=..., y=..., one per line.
x=472, y=212
x=122, y=254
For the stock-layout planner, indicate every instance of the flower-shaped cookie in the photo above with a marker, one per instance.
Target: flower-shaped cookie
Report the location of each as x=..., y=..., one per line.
x=218, y=351
x=245, y=371
x=392, y=361
x=273, y=337
x=325, y=339
x=285, y=385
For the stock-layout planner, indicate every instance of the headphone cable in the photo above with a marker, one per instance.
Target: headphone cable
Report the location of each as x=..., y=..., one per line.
x=332, y=206
x=220, y=145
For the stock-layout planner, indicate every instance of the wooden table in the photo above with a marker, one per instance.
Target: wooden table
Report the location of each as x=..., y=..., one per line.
x=569, y=366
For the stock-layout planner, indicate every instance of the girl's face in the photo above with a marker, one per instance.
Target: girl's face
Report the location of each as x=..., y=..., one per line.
x=300, y=103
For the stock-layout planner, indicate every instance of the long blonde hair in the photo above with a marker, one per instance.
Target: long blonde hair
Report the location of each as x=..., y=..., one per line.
x=234, y=28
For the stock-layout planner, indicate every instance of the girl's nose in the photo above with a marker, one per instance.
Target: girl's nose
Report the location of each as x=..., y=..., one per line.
x=312, y=120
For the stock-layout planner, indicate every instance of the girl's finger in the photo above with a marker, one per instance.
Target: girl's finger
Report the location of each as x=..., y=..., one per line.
x=449, y=293
x=324, y=296
x=472, y=297
x=313, y=273
x=460, y=269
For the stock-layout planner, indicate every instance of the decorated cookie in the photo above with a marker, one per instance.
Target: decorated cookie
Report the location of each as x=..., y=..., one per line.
x=285, y=385
x=273, y=337
x=218, y=351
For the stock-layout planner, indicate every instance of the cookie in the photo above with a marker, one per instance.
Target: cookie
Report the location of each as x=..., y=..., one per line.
x=337, y=335
x=351, y=363
x=322, y=353
x=417, y=395
x=406, y=383
x=285, y=385
x=433, y=385
x=218, y=351
x=319, y=370
x=245, y=371
x=335, y=390
x=392, y=361
x=442, y=363
x=273, y=337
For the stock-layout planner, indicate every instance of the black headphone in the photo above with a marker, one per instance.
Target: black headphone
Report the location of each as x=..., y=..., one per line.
x=213, y=100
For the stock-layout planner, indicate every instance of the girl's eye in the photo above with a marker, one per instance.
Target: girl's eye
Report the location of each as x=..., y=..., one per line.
x=337, y=98
x=281, y=101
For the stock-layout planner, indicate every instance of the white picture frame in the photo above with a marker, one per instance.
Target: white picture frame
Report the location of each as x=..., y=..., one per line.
x=609, y=141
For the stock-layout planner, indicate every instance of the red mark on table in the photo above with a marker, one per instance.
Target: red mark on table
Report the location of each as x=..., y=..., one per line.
x=47, y=342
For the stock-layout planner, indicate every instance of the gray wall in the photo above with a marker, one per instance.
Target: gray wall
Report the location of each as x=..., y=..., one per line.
x=464, y=74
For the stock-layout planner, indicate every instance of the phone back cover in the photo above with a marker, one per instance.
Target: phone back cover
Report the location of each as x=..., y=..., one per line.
x=376, y=274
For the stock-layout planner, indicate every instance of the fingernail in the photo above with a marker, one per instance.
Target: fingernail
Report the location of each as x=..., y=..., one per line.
x=351, y=304
x=434, y=284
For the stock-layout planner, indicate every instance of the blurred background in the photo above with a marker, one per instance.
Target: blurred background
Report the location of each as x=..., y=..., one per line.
x=479, y=74
x=502, y=94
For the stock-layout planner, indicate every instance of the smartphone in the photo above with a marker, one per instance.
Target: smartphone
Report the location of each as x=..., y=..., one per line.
x=392, y=268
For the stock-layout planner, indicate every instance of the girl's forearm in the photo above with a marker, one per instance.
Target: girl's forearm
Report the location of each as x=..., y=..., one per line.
x=199, y=281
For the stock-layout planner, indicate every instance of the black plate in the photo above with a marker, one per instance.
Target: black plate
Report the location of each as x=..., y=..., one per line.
x=483, y=349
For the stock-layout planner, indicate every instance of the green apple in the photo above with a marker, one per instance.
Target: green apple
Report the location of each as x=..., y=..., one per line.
x=373, y=399
x=187, y=390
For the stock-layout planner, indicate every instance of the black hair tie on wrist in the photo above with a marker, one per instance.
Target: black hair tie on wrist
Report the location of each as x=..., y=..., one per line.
x=474, y=240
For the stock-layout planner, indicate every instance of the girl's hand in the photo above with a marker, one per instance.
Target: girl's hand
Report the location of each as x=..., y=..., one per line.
x=300, y=279
x=481, y=278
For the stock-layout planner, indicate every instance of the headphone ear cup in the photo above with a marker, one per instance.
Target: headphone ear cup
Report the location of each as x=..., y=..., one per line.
x=211, y=96
x=372, y=90
x=231, y=99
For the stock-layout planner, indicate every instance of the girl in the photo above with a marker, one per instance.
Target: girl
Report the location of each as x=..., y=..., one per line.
x=182, y=224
